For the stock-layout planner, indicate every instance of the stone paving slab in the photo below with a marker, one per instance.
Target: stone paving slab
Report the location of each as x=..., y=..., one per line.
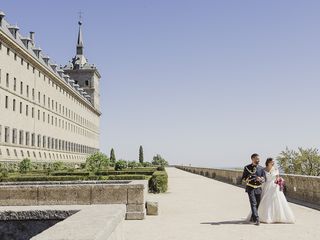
x=196, y=208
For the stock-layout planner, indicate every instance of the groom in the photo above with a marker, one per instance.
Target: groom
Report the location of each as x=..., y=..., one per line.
x=254, y=175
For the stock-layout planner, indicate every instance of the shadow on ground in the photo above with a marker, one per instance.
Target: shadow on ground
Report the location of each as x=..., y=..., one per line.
x=232, y=222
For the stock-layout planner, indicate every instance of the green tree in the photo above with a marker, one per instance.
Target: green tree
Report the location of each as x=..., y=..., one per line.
x=303, y=161
x=159, y=161
x=25, y=165
x=140, y=154
x=120, y=165
x=112, y=156
x=97, y=161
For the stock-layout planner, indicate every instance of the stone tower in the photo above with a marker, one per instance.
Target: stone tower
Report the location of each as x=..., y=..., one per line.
x=84, y=74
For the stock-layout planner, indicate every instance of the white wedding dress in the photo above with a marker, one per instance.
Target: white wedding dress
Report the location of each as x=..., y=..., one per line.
x=274, y=207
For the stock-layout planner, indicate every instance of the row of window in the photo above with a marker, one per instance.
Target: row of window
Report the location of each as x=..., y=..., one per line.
x=67, y=113
x=46, y=101
x=45, y=117
x=21, y=137
x=41, y=155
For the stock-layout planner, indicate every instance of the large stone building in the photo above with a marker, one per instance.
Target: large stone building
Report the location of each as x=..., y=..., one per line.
x=47, y=112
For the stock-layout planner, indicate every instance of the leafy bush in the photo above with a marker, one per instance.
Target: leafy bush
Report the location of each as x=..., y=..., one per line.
x=96, y=162
x=159, y=161
x=158, y=183
x=133, y=164
x=160, y=168
x=25, y=165
x=3, y=173
x=120, y=165
x=147, y=164
x=58, y=166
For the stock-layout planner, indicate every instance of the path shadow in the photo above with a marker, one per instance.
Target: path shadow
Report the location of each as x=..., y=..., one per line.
x=231, y=222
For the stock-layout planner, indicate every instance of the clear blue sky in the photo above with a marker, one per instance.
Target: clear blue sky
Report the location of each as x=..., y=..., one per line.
x=200, y=82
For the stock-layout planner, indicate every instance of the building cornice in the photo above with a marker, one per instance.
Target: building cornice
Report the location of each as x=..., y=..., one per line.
x=44, y=69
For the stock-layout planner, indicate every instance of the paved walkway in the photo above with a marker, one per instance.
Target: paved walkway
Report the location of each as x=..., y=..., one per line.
x=198, y=208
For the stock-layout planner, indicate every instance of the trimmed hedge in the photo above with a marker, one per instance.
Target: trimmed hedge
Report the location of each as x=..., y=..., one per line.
x=158, y=183
x=125, y=172
x=66, y=173
x=32, y=178
x=127, y=177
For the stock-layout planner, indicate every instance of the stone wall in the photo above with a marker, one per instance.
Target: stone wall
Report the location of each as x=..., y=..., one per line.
x=304, y=190
x=77, y=193
x=67, y=222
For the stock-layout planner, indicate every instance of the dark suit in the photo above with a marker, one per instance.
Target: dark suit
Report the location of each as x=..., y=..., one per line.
x=253, y=187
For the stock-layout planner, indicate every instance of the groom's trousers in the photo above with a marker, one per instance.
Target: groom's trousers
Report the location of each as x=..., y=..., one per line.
x=254, y=198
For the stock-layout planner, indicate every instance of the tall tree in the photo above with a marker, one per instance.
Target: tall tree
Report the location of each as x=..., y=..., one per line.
x=112, y=156
x=303, y=161
x=141, y=154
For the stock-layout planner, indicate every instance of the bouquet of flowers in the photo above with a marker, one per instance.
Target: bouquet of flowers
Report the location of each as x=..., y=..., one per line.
x=280, y=181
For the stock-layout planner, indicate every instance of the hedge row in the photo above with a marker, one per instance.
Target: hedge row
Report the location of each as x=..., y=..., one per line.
x=104, y=173
x=66, y=173
x=158, y=183
x=128, y=177
x=126, y=172
x=47, y=178
x=39, y=178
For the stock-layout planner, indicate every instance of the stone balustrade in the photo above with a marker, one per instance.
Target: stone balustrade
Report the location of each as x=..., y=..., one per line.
x=300, y=189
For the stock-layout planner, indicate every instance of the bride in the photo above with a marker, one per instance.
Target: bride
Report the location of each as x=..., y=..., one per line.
x=273, y=207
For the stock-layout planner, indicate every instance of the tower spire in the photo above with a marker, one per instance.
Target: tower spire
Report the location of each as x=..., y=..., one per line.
x=79, y=60
x=80, y=39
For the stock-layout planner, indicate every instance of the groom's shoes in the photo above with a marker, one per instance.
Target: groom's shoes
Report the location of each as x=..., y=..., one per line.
x=257, y=223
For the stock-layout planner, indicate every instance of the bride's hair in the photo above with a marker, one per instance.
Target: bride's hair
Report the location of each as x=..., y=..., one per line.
x=269, y=160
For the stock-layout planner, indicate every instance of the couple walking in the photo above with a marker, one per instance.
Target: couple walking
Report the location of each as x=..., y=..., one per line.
x=267, y=201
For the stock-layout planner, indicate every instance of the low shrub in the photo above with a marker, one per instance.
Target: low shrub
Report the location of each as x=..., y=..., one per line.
x=120, y=165
x=68, y=173
x=33, y=178
x=58, y=165
x=127, y=177
x=25, y=165
x=40, y=178
x=126, y=172
x=158, y=183
x=3, y=173
x=96, y=162
x=160, y=168
x=146, y=164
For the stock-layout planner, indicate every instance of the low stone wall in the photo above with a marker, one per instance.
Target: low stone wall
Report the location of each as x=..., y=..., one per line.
x=77, y=193
x=304, y=190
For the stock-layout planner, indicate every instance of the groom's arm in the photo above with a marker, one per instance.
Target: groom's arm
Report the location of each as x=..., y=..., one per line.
x=245, y=174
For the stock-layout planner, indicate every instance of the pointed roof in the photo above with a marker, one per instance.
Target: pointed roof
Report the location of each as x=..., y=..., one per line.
x=80, y=40
x=79, y=61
